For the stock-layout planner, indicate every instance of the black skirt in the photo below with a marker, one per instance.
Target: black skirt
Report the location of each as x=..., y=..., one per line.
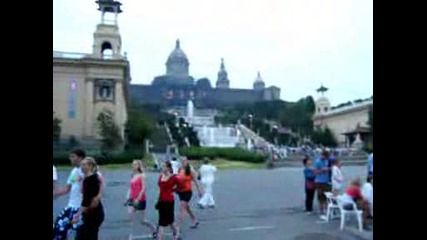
x=166, y=213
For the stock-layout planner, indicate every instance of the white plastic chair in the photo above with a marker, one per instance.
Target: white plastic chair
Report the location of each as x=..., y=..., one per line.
x=332, y=207
x=354, y=211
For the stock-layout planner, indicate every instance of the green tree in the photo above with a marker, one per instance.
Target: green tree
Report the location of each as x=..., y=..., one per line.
x=139, y=127
x=109, y=131
x=324, y=137
x=56, y=128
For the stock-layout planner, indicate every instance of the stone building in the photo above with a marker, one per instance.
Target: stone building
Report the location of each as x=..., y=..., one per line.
x=348, y=122
x=86, y=84
x=176, y=87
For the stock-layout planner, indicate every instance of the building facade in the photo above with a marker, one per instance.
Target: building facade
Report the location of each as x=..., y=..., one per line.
x=344, y=120
x=84, y=85
x=177, y=86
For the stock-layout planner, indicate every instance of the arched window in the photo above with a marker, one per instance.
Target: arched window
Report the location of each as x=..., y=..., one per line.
x=107, y=50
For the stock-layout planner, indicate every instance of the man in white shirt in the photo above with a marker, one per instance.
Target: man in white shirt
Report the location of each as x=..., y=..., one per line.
x=207, y=178
x=371, y=164
x=73, y=187
x=175, y=165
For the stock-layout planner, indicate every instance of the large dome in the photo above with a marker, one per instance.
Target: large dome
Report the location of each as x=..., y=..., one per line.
x=177, y=53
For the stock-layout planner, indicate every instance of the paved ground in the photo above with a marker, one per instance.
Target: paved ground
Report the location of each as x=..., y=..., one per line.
x=251, y=205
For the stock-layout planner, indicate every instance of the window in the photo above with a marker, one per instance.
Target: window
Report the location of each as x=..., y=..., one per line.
x=325, y=109
x=104, y=90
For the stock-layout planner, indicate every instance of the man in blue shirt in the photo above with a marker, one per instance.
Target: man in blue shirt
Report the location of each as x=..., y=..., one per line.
x=371, y=164
x=322, y=179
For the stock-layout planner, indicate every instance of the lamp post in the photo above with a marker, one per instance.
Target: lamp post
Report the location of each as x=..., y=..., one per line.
x=250, y=116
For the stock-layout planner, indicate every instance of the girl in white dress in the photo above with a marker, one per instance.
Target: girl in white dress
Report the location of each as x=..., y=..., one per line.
x=207, y=178
x=337, y=177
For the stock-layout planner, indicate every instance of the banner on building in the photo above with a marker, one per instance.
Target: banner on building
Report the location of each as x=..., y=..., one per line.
x=72, y=101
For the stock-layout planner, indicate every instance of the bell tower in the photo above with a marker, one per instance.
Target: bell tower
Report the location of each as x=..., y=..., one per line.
x=107, y=41
x=322, y=104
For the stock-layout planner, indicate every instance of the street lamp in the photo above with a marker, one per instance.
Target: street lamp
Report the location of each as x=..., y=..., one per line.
x=250, y=116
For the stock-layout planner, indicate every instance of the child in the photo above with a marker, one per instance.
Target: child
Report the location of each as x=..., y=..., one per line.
x=337, y=178
x=309, y=184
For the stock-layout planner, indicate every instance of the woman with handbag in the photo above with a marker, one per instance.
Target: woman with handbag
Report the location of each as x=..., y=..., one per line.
x=168, y=183
x=137, y=198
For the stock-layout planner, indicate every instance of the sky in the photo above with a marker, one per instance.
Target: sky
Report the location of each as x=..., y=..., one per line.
x=297, y=45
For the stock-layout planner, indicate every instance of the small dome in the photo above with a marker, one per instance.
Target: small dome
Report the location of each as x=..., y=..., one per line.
x=177, y=53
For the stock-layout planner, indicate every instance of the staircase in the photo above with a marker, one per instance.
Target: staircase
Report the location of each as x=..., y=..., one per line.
x=160, y=139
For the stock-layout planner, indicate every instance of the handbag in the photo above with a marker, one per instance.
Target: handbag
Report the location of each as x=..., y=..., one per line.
x=157, y=205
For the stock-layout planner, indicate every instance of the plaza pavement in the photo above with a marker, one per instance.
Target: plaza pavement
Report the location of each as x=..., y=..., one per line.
x=250, y=205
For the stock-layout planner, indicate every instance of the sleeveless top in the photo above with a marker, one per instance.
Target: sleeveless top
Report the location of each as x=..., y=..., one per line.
x=135, y=189
x=185, y=184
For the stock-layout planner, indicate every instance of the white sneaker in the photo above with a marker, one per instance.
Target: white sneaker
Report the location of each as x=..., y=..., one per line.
x=323, y=217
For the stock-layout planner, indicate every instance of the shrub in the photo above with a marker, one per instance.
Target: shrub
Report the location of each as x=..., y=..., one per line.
x=61, y=158
x=232, y=154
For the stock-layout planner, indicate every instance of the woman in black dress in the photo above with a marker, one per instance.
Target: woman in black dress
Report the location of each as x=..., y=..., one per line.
x=92, y=215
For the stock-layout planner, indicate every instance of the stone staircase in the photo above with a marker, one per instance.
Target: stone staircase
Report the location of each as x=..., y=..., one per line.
x=160, y=139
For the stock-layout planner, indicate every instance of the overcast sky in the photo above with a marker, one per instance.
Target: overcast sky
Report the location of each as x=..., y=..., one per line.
x=295, y=44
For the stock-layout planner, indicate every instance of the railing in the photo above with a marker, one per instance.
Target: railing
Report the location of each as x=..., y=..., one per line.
x=352, y=106
x=74, y=55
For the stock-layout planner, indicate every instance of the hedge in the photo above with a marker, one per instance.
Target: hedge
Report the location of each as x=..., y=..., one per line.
x=232, y=154
x=61, y=158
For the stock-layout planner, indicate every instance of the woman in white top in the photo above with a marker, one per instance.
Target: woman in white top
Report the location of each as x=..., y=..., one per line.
x=207, y=178
x=368, y=193
x=337, y=177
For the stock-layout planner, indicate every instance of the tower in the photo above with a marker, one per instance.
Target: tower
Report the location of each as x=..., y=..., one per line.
x=107, y=41
x=322, y=103
x=222, y=81
x=259, y=84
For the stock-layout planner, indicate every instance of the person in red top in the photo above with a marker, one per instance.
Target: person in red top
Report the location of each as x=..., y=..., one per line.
x=168, y=183
x=186, y=177
x=137, y=199
x=354, y=191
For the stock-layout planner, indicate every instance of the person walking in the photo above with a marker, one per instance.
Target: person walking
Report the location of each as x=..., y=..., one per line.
x=310, y=188
x=168, y=182
x=137, y=197
x=322, y=181
x=63, y=222
x=371, y=164
x=207, y=179
x=92, y=216
x=186, y=177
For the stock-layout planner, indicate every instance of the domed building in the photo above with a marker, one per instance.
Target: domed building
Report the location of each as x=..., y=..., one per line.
x=177, y=86
x=177, y=69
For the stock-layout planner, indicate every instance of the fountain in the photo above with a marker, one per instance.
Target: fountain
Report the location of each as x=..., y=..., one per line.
x=249, y=144
x=190, y=111
x=357, y=144
x=211, y=137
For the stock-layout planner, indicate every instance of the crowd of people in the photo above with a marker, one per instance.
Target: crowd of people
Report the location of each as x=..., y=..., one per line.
x=325, y=175
x=84, y=212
